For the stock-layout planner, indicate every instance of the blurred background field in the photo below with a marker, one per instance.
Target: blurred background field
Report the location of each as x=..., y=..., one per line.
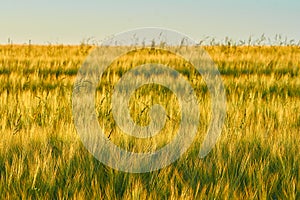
x=256, y=157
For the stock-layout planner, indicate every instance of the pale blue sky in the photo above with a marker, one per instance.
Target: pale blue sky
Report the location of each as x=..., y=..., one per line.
x=71, y=21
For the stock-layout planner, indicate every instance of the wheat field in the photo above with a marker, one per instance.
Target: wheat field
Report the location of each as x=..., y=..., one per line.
x=256, y=157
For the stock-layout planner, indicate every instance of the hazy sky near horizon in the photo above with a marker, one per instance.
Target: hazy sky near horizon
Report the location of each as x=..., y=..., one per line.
x=72, y=21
